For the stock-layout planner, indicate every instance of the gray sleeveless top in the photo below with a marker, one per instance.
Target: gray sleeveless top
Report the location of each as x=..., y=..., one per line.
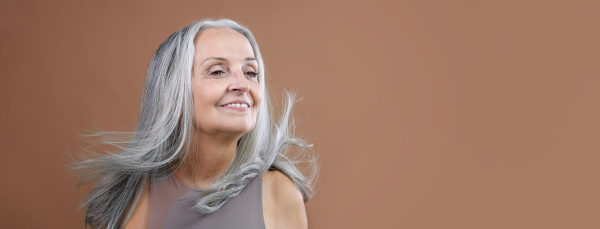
x=171, y=204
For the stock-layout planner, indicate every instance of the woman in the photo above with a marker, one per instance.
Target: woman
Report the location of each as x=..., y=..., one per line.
x=204, y=153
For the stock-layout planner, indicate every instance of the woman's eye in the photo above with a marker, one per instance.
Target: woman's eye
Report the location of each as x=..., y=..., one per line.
x=252, y=74
x=217, y=73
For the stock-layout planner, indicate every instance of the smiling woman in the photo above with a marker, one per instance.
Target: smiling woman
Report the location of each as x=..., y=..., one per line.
x=204, y=153
x=225, y=86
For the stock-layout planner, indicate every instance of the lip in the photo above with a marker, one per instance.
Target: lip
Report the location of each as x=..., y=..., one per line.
x=237, y=108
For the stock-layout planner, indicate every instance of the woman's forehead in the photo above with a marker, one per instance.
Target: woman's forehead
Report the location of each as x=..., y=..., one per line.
x=223, y=42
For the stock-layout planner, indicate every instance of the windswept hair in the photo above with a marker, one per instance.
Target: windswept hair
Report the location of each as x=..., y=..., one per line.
x=162, y=139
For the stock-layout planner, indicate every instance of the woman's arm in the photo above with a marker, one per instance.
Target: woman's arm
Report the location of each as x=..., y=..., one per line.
x=283, y=205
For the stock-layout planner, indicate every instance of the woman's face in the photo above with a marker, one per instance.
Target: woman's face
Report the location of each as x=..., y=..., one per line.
x=225, y=85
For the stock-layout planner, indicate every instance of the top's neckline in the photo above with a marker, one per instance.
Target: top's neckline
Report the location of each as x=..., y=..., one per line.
x=179, y=179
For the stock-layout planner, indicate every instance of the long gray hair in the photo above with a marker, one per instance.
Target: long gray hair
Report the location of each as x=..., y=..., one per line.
x=162, y=139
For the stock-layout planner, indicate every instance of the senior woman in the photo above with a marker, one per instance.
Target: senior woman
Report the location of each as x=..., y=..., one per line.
x=205, y=153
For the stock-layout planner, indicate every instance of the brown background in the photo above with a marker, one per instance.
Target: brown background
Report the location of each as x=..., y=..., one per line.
x=426, y=114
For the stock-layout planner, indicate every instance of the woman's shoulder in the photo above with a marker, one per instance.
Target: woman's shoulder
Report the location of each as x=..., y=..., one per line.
x=283, y=204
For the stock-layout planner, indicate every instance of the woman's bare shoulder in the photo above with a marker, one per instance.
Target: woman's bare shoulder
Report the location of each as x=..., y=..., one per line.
x=141, y=214
x=283, y=204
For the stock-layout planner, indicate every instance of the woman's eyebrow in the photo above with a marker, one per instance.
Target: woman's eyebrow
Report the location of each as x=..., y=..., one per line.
x=214, y=58
x=225, y=59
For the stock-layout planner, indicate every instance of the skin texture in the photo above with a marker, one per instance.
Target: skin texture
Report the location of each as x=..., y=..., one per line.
x=283, y=206
x=224, y=71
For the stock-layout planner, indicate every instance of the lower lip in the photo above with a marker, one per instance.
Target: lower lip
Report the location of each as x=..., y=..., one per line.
x=237, y=108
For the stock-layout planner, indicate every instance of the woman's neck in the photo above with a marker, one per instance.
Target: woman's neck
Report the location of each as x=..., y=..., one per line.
x=207, y=158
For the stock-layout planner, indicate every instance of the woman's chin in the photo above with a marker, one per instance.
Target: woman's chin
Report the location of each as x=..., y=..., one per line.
x=238, y=130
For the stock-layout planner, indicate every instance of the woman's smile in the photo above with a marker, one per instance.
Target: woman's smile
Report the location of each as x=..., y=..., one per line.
x=239, y=105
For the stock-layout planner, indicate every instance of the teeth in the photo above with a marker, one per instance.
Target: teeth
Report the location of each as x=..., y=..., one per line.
x=237, y=105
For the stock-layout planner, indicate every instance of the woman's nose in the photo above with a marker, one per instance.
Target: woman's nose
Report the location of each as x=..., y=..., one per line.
x=239, y=82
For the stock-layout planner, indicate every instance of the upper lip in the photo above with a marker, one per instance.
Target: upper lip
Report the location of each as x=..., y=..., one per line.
x=237, y=101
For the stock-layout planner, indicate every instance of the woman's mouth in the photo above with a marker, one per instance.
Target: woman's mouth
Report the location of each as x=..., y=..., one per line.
x=240, y=105
x=244, y=105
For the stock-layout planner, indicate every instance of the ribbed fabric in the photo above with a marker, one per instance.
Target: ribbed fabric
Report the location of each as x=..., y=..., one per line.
x=171, y=204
